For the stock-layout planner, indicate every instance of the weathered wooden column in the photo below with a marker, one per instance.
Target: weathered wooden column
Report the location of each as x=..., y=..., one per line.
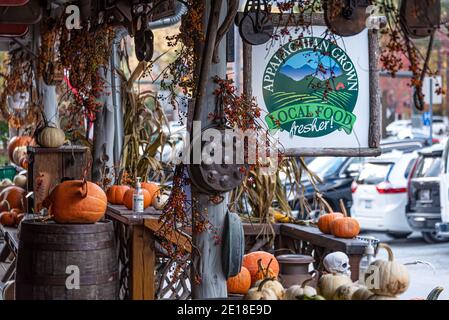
x=209, y=263
x=104, y=130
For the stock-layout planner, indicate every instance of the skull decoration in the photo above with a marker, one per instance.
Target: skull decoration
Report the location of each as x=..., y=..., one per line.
x=337, y=262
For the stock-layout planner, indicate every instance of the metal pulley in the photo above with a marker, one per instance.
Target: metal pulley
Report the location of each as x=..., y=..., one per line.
x=256, y=25
x=346, y=17
x=419, y=18
x=211, y=177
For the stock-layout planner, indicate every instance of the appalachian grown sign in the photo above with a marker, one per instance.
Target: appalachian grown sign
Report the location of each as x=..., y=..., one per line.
x=319, y=92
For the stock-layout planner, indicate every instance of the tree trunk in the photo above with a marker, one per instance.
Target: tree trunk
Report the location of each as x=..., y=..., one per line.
x=209, y=263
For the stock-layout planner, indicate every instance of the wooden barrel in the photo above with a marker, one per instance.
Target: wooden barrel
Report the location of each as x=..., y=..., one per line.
x=67, y=262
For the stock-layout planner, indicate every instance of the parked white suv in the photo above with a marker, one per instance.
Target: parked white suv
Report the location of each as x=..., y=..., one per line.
x=439, y=125
x=380, y=194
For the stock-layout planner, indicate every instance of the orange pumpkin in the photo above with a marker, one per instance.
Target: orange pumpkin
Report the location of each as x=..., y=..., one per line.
x=345, y=227
x=19, y=141
x=77, y=201
x=12, y=197
x=18, y=218
x=7, y=219
x=241, y=283
x=264, y=272
x=152, y=188
x=129, y=195
x=325, y=221
x=250, y=262
x=115, y=194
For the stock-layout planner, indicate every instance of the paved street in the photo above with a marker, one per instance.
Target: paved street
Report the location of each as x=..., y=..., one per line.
x=423, y=278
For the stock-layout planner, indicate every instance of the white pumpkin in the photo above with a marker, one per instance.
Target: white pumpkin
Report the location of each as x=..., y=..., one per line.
x=20, y=180
x=273, y=285
x=261, y=293
x=51, y=137
x=378, y=297
x=18, y=153
x=297, y=292
x=392, y=277
x=362, y=293
x=345, y=292
x=159, y=201
x=329, y=283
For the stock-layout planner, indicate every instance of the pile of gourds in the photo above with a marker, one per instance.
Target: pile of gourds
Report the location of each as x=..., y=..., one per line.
x=391, y=280
x=123, y=195
x=17, y=150
x=12, y=206
x=339, y=224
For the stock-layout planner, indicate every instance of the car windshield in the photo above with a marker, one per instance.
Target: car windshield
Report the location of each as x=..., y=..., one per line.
x=428, y=167
x=374, y=173
x=326, y=166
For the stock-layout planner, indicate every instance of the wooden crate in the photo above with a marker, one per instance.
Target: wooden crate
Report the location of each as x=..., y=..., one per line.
x=65, y=162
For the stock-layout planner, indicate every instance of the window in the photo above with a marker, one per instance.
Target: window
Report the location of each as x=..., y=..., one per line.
x=374, y=173
x=428, y=167
x=409, y=168
x=326, y=166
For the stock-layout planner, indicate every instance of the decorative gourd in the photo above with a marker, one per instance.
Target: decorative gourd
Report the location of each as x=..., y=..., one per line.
x=345, y=227
x=393, y=277
x=23, y=162
x=7, y=219
x=273, y=285
x=5, y=183
x=51, y=137
x=250, y=261
x=152, y=188
x=18, y=153
x=159, y=201
x=261, y=293
x=325, y=220
x=115, y=194
x=77, y=201
x=329, y=283
x=299, y=292
x=241, y=283
x=129, y=195
x=17, y=142
x=362, y=293
x=20, y=181
x=345, y=292
x=12, y=197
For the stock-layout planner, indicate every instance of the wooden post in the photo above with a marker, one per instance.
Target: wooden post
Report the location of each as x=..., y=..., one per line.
x=104, y=130
x=209, y=265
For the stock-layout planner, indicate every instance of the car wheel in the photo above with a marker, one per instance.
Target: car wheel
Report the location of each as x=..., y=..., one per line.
x=432, y=237
x=399, y=235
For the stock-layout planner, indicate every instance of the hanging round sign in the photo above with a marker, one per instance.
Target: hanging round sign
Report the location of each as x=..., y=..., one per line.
x=310, y=88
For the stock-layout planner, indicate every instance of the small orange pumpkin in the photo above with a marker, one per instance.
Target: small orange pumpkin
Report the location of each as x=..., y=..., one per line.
x=115, y=194
x=324, y=222
x=152, y=188
x=345, y=227
x=77, y=201
x=251, y=262
x=129, y=195
x=241, y=283
x=7, y=219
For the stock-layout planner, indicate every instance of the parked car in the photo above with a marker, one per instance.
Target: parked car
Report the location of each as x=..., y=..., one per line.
x=424, y=193
x=439, y=125
x=396, y=126
x=442, y=228
x=380, y=193
x=338, y=173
